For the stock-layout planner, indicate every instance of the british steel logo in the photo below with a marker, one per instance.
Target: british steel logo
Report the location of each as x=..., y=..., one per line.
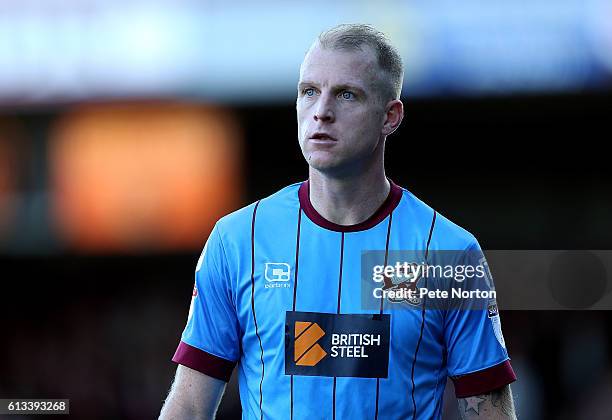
x=349, y=345
x=306, y=351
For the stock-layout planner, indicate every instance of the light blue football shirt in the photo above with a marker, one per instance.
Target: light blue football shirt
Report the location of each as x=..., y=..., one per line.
x=280, y=292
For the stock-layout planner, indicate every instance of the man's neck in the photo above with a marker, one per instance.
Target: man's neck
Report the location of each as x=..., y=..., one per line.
x=350, y=199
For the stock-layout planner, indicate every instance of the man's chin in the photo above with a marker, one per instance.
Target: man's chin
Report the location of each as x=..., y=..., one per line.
x=322, y=163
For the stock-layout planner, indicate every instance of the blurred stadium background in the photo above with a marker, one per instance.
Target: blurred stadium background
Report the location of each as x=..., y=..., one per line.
x=127, y=129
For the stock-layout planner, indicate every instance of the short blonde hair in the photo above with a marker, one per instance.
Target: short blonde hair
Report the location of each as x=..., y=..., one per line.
x=353, y=36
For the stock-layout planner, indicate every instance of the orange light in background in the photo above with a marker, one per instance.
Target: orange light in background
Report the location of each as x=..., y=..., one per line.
x=152, y=176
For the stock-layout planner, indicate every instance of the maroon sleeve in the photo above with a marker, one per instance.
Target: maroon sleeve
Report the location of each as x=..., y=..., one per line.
x=203, y=362
x=484, y=381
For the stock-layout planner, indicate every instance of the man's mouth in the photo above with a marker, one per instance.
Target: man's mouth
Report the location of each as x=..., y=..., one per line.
x=322, y=136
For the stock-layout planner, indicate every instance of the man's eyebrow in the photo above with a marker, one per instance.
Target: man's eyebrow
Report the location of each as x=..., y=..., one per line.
x=348, y=86
x=306, y=83
x=343, y=86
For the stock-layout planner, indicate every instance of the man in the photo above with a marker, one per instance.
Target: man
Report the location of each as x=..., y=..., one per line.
x=279, y=288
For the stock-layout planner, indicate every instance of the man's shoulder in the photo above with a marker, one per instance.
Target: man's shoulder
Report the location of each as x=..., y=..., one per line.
x=445, y=234
x=239, y=222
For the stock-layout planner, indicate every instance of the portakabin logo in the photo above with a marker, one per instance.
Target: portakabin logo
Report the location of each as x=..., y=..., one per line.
x=277, y=275
x=306, y=350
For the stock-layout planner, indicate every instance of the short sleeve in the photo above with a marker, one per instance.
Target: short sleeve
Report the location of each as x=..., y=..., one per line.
x=210, y=341
x=477, y=359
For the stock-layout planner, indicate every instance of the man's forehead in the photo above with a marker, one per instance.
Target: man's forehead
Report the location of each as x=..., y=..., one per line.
x=323, y=65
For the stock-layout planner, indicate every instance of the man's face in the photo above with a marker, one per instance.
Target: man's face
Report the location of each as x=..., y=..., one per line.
x=339, y=110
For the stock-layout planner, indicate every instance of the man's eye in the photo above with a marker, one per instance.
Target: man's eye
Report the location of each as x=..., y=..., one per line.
x=348, y=95
x=308, y=91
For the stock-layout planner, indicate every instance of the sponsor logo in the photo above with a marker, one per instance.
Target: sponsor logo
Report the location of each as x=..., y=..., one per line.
x=349, y=345
x=492, y=309
x=306, y=351
x=277, y=275
x=493, y=314
x=277, y=271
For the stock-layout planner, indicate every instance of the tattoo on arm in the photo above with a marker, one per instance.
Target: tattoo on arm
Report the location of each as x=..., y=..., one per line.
x=496, y=405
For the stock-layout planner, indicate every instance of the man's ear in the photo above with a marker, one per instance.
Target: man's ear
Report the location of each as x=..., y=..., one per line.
x=394, y=114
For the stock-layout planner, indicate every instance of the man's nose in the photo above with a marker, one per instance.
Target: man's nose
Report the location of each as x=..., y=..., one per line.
x=324, y=110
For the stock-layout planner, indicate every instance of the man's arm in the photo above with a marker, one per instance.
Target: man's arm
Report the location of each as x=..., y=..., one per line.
x=193, y=395
x=496, y=405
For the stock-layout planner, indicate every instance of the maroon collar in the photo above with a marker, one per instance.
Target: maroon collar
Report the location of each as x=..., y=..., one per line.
x=391, y=202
